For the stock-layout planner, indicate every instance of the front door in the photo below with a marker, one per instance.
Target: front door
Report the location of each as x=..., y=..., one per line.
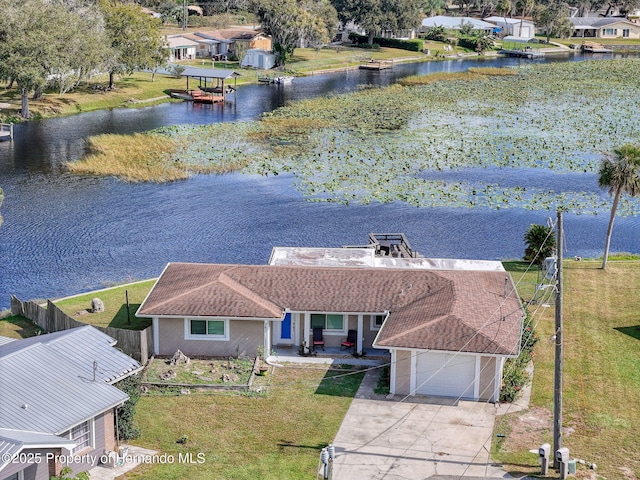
x=284, y=331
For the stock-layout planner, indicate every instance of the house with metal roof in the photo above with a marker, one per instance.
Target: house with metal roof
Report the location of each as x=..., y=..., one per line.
x=448, y=326
x=516, y=27
x=456, y=23
x=58, y=402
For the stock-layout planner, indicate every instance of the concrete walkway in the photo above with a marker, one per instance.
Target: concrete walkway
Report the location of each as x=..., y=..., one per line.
x=135, y=456
x=414, y=438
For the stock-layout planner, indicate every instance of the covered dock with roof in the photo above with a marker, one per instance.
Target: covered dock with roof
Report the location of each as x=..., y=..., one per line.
x=213, y=84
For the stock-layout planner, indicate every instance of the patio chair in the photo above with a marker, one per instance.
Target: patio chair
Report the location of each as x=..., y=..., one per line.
x=318, y=339
x=350, y=342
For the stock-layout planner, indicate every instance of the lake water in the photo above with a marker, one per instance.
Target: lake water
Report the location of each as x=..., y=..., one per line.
x=64, y=234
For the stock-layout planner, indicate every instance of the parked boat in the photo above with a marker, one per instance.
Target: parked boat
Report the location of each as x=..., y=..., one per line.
x=281, y=80
x=593, y=47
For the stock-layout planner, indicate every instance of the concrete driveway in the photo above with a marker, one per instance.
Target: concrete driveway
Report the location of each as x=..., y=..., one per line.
x=414, y=438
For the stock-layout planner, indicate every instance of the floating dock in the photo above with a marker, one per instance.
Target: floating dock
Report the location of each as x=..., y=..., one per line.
x=523, y=53
x=376, y=65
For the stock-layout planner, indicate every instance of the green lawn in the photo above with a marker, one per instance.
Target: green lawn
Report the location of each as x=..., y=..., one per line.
x=18, y=327
x=601, y=390
x=278, y=435
x=115, y=306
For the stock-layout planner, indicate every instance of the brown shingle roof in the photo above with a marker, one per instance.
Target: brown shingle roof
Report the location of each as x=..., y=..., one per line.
x=442, y=310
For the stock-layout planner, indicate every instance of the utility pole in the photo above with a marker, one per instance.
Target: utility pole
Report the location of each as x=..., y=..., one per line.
x=557, y=384
x=185, y=14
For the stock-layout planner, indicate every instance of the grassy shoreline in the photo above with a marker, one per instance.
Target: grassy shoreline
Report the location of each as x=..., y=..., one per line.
x=601, y=389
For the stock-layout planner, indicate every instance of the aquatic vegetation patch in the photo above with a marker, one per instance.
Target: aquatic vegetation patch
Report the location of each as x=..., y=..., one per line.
x=388, y=144
x=555, y=117
x=138, y=157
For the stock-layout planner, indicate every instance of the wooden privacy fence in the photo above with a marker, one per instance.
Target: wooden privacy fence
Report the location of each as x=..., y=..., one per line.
x=135, y=343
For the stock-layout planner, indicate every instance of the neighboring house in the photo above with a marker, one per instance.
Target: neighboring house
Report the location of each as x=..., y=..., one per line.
x=229, y=37
x=207, y=47
x=181, y=48
x=456, y=320
x=256, y=58
x=613, y=27
x=455, y=23
x=515, y=27
x=57, y=400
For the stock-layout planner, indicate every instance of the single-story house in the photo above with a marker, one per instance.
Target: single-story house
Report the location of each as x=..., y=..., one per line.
x=207, y=47
x=610, y=27
x=58, y=402
x=516, y=27
x=455, y=23
x=181, y=48
x=228, y=37
x=256, y=58
x=449, y=330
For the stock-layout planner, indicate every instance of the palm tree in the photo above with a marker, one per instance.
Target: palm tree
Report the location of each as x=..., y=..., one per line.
x=540, y=244
x=620, y=173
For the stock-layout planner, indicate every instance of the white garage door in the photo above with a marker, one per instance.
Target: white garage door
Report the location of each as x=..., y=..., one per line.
x=445, y=375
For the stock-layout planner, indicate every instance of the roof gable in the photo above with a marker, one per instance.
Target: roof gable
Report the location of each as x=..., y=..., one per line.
x=51, y=382
x=475, y=311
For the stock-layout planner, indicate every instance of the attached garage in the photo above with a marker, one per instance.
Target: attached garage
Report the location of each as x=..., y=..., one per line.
x=446, y=375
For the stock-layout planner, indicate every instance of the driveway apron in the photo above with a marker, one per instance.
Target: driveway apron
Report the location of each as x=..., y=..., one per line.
x=414, y=438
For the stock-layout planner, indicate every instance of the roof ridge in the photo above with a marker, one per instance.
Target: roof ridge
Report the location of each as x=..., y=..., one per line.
x=204, y=285
x=233, y=284
x=416, y=328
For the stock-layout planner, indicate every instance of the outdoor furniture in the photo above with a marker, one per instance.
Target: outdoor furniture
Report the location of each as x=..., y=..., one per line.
x=350, y=341
x=317, y=338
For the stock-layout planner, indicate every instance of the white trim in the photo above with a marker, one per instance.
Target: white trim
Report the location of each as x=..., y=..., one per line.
x=413, y=380
x=221, y=338
x=155, y=323
x=476, y=379
x=332, y=332
x=359, y=335
x=92, y=436
x=267, y=337
x=372, y=321
x=392, y=372
x=497, y=379
x=216, y=317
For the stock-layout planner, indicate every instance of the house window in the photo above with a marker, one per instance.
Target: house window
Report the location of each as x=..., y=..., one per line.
x=328, y=321
x=610, y=31
x=376, y=322
x=16, y=476
x=206, y=329
x=83, y=436
x=625, y=32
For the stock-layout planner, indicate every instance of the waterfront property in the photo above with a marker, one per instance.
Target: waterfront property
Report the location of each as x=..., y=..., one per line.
x=598, y=27
x=58, y=401
x=207, y=91
x=448, y=324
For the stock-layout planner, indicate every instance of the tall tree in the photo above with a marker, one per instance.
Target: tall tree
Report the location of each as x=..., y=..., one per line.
x=290, y=22
x=539, y=244
x=135, y=38
x=48, y=41
x=620, y=173
x=553, y=19
x=375, y=16
x=27, y=42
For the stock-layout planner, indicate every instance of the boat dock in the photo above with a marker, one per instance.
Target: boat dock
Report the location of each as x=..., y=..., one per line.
x=522, y=53
x=6, y=131
x=376, y=65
